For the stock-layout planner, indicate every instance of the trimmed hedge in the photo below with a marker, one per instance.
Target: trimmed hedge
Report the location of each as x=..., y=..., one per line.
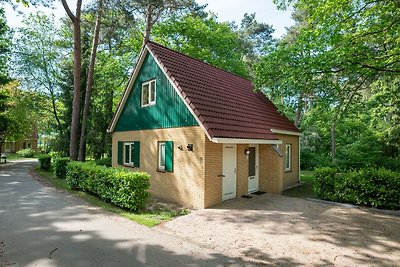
x=45, y=161
x=26, y=153
x=369, y=187
x=121, y=187
x=104, y=162
x=60, y=167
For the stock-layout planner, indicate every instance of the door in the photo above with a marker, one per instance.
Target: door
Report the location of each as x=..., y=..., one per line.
x=253, y=169
x=229, y=171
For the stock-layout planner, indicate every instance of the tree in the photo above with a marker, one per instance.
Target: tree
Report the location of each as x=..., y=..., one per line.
x=4, y=48
x=36, y=59
x=76, y=22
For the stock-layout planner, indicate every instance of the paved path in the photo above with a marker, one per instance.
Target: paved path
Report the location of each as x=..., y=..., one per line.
x=42, y=227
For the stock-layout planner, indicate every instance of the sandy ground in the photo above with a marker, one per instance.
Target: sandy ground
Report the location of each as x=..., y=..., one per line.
x=278, y=230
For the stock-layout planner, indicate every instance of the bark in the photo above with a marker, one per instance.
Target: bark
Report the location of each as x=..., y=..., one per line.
x=89, y=85
x=76, y=21
x=333, y=139
x=148, y=24
x=299, y=110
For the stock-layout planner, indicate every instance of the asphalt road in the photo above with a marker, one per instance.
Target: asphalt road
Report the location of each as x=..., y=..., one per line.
x=40, y=226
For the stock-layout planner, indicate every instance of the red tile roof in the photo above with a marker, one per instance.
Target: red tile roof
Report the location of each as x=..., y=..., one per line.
x=224, y=103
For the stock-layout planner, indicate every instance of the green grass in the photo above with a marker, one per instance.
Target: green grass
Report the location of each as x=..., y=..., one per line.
x=149, y=218
x=306, y=189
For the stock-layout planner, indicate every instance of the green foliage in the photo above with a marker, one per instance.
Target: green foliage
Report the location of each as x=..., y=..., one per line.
x=26, y=153
x=121, y=187
x=45, y=161
x=5, y=45
x=104, y=162
x=60, y=167
x=367, y=187
x=324, y=182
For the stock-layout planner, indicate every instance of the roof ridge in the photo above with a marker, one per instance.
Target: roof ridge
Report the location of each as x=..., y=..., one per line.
x=215, y=67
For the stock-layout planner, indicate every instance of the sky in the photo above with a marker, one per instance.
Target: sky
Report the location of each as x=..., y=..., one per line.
x=226, y=10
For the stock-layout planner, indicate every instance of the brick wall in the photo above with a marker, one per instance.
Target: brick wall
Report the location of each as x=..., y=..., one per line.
x=213, y=168
x=290, y=178
x=274, y=170
x=186, y=184
x=263, y=167
x=242, y=171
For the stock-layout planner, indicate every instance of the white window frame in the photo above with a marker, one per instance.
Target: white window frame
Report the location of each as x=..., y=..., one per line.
x=149, y=101
x=161, y=151
x=128, y=162
x=288, y=157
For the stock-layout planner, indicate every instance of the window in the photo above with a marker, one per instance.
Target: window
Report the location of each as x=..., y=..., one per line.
x=165, y=156
x=28, y=144
x=128, y=153
x=288, y=157
x=148, y=93
x=161, y=156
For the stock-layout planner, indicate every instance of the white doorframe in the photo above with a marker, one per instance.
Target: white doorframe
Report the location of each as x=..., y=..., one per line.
x=228, y=175
x=254, y=182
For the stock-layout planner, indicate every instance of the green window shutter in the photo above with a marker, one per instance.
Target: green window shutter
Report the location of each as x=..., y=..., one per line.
x=136, y=154
x=169, y=156
x=120, y=144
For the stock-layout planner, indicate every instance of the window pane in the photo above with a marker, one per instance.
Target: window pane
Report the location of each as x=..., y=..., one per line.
x=127, y=153
x=287, y=157
x=131, y=159
x=145, y=94
x=161, y=162
x=252, y=161
x=153, y=91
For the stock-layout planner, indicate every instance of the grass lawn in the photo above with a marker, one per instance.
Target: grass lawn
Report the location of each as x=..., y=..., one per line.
x=154, y=213
x=305, y=190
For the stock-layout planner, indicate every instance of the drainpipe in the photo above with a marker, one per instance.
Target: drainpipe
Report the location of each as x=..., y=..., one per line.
x=299, y=161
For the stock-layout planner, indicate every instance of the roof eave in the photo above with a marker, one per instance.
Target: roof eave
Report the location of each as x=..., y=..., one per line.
x=245, y=141
x=277, y=131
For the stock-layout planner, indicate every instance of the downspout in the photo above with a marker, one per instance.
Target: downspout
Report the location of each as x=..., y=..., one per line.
x=299, y=161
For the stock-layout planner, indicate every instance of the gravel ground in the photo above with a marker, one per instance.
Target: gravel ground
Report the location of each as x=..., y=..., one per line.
x=278, y=230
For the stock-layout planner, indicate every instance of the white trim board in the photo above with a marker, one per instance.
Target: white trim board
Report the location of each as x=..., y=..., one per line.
x=277, y=131
x=245, y=141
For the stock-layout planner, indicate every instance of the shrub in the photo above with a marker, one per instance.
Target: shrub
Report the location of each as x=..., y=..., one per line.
x=104, y=162
x=60, y=167
x=45, y=162
x=324, y=182
x=26, y=153
x=121, y=187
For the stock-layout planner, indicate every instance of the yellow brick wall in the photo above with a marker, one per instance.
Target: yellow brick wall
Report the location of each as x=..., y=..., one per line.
x=213, y=168
x=274, y=170
x=262, y=167
x=290, y=178
x=242, y=171
x=186, y=184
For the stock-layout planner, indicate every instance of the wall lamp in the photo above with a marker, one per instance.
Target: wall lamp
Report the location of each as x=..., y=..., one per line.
x=247, y=152
x=190, y=147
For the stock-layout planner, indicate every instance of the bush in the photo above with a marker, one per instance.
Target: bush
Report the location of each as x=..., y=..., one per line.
x=45, y=162
x=369, y=187
x=104, y=162
x=324, y=182
x=121, y=187
x=26, y=153
x=60, y=167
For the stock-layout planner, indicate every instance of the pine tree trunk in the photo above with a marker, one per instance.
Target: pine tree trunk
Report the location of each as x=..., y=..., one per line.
x=89, y=85
x=76, y=21
x=333, y=139
x=299, y=110
x=148, y=24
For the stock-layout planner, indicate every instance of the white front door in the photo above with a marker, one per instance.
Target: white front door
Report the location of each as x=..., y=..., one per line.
x=229, y=171
x=253, y=169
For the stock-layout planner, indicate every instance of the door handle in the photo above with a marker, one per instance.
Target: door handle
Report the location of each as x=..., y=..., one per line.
x=220, y=175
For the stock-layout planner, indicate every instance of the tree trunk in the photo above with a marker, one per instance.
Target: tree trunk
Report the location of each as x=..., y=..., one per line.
x=333, y=138
x=76, y=21
x=148, y=24
x=89, y=85
x=299, y=110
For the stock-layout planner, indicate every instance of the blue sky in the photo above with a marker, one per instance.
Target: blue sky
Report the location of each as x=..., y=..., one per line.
x=227, y=10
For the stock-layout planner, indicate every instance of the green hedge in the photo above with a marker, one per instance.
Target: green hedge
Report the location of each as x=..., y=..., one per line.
x=45, y=161
x=121, y=187
x=369, y=187
x=60, y=167
x=26, y=153
x=104, y=162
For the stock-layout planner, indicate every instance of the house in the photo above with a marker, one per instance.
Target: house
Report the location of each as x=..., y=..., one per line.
x=30, y=141
x=202, y=133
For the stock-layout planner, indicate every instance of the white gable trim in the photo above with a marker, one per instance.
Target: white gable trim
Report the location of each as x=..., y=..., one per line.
x=179, y=93
x=245, y=141
x=128, y=89
x=277, y=131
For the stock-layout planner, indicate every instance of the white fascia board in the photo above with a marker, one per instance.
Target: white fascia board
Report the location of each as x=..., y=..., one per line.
x=245, y=141
x=128, y=89
x=277, y=131
x=179, y=94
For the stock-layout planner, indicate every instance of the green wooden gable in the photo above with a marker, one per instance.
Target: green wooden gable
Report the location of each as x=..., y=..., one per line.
x=169, y=110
